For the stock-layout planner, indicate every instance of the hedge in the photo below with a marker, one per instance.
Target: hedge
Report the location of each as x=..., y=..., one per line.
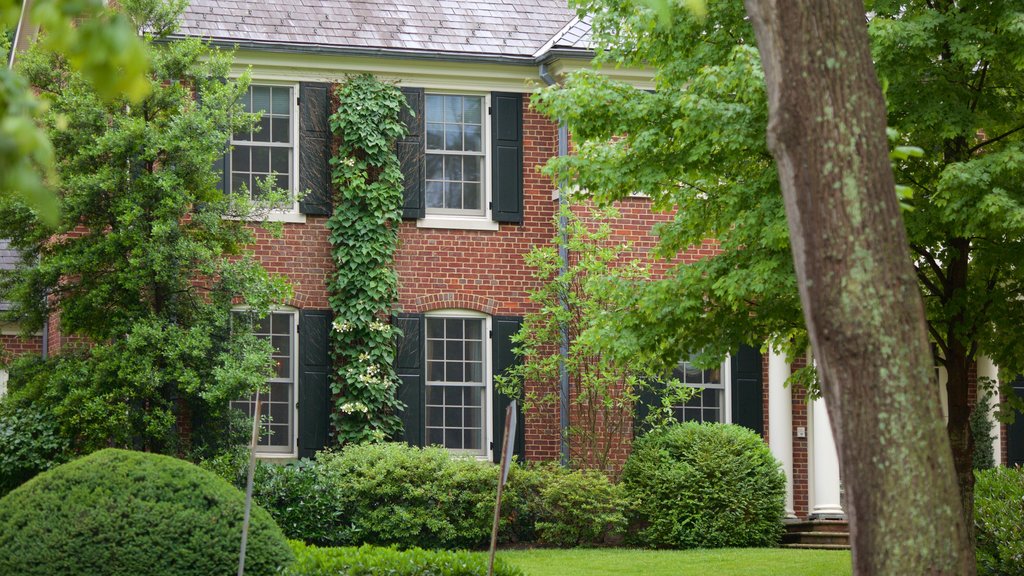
x=117, y=512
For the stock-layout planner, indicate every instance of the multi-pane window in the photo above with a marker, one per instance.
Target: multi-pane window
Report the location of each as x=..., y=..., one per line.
x=277, y=411
x=455, y=154
x=456, y=394
x=708, y=405
x=269, y=148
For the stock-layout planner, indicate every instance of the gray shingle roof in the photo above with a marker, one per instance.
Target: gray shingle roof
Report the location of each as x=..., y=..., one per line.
x=576, y=34
x=484, y=27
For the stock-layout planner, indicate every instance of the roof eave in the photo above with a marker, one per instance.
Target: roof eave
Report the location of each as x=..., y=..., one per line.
x=400, y=53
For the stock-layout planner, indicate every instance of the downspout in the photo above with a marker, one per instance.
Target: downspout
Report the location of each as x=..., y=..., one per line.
x=563, y=256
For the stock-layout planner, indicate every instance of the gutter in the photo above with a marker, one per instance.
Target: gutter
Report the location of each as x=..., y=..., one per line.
x=398, y=53
x=563, y=256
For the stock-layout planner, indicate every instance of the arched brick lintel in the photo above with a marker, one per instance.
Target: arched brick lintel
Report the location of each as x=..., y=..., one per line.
x=449, y=300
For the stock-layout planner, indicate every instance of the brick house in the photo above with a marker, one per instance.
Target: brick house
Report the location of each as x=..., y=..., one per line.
x=475, y=204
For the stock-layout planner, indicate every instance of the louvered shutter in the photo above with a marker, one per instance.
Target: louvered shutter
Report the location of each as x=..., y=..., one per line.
x=409, y=364
x=747, y=389
x=507, y=157
x=314, y=394
x=314, y=148
x=503, y=328
x=410, y=152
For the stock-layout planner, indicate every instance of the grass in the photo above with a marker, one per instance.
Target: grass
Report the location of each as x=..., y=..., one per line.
x=720, y=562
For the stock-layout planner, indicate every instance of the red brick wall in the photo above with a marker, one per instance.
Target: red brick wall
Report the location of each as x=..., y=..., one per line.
x=801, y=463
x=303, y=255
x=12, y=346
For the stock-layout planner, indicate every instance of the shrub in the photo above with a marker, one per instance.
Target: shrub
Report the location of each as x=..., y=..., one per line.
x=30, y=442
x=999, y=521
x=370, y=561
x=574, y=508
x=395, y=494
x=704, y=485
x=117, y=512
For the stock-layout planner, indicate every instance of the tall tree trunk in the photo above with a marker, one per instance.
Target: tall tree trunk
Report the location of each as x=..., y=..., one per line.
x=857, y=285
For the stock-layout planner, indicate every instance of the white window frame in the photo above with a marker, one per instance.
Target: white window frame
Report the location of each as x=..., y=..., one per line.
x=463, y=221
x=271, y=452
x=286, y=213
x=3, y=382
x=488, y=384
x=726, y=386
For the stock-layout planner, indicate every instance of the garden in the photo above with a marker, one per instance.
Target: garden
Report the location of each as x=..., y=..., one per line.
x=692, y=498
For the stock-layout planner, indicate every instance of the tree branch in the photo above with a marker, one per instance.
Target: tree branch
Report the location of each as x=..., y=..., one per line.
x=940, y=342
x=924, y=279
x=996, y=139
x=931, y=263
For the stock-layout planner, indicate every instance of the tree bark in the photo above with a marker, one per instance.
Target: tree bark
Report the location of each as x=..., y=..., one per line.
x=858, y=288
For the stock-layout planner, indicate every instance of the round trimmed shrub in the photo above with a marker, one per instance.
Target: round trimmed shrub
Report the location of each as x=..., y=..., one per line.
x=999, y=521
x=117, y=512
x=704, y=486
x=394, y=494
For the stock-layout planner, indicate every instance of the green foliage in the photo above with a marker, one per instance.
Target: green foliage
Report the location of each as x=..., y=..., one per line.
x=370, y=560
x=144, y=266
x=101, y=44
x=394, y=494
x=704, y=486
x=697, y=144
x=981, y=429
x=299, y=499
x=606, y=375
x=999, y=521
x=116, y=512
x=364, y=236
x=578, y=508
x=30, y=442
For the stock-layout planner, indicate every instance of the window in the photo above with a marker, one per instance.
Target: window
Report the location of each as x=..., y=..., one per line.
x=278, y=410
x=709, y=404
x=456, y=384
x=455, y=183
x=3, y=383
x=270, y=147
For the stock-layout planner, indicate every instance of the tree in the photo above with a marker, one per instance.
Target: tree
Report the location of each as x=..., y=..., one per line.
x=698, y=144
x=102, y=45
x=603, y=388
x=857, y=285
x=146, y=264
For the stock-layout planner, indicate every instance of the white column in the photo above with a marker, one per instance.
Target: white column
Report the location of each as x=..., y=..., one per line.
x=780, y=421
x=825, y=461
x=986, y=369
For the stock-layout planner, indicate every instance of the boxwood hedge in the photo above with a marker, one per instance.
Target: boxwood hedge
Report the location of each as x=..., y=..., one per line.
x=704, y=486
x=117, y=512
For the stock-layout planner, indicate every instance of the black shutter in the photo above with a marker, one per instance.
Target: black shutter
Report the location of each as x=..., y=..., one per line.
x=314, y=395
x=409, y=364
x=1015, y=431
x=315, y=148
x=649, y=395
x=747, y=398
x=410, y=154
x=507, y=163
x=503, y=328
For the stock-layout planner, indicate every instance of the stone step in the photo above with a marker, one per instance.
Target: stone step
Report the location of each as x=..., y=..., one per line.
x=817, y=546
x=810, y=538
x=818, y=526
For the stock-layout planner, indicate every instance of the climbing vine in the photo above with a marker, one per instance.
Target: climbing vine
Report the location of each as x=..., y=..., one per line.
x=363, y=229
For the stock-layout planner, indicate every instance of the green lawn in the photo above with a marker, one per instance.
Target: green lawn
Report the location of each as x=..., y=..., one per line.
x=722, y=562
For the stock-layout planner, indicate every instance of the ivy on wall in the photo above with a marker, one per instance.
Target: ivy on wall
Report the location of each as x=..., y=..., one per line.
x=367, y=180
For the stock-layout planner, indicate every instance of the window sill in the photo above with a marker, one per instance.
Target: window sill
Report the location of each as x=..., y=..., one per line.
x=277, y=456
x=292, y=217
x=458, y=223
x=275, y=216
